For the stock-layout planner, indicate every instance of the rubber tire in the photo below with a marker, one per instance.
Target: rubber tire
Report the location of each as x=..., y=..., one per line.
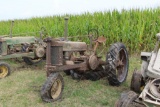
x=75, y=75
x=67, y=72
x=126, y=99
x=29, y=61
x=8, y=67
x=46, y=88
x=137, y=84
x=112, y=78
x=97, y=74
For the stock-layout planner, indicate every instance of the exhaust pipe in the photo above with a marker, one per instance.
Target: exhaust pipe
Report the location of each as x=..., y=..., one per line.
x=66, y=28
x=11, y=28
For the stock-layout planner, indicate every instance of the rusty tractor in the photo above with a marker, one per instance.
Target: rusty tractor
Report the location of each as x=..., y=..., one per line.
x=145, y=83
x=82, y=61
x=31, y=49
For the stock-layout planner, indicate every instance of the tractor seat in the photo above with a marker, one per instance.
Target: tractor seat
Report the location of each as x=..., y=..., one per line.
x=101, y=39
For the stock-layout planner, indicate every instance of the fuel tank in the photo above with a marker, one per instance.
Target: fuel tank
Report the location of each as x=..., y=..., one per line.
x=71, y=46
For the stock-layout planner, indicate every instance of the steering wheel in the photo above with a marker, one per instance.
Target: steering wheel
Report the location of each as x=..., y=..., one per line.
x=93, y=34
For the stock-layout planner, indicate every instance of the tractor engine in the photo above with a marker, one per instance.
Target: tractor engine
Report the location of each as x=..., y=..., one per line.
x=67, y=53
x=70, y=47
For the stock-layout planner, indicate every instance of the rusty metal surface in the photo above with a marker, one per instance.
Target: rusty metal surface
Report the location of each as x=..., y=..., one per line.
x=40, y=51
x=101, y=39
x=74, y=46
x=81, y=61
x=64, y=67
x=63, y=54
x=93, y=62
x=70, y=46
x=57, y=55
x=48, y=51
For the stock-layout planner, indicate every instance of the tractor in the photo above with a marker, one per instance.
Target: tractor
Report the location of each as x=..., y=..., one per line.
x=30, y=48
x=145, y=83
x=82, y=61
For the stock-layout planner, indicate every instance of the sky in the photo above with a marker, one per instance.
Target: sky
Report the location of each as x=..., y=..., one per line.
x=22, y=9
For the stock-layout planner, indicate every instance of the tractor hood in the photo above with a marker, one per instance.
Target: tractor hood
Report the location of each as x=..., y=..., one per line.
x=17, y=40
x=70, y=46
x=74, y=46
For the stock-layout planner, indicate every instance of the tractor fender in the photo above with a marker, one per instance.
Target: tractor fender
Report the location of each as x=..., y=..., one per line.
x=145, y=55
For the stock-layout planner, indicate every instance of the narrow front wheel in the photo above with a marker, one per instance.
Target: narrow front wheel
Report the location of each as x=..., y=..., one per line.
x=52, y=88
x=4, y=70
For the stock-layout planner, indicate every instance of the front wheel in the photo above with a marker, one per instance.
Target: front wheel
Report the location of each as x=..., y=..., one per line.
x=52, y=88
x=4, y=70
x=118, y=62
x=137, y=82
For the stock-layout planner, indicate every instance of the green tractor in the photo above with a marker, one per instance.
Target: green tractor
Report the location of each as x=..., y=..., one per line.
x=31, y=49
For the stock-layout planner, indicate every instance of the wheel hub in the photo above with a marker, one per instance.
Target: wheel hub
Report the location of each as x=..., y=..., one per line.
x=3, y=71
x=120, y=64
x=155, y=88
x=93, y=62
x=56, y=89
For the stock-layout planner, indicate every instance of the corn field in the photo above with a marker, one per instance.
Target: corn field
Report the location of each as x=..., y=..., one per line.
x=135, y=28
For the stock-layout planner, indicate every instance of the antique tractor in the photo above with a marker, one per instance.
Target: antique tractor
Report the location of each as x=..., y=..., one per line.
x=145, y=82
x=81, y=61
x=31, y=49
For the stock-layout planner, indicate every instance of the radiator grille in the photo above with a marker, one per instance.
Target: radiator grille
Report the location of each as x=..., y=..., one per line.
x=56, y=55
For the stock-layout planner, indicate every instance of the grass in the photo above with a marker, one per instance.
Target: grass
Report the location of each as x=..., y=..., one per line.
x=22, y=88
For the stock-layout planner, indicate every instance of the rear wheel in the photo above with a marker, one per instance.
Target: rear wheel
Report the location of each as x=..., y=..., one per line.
x=52, y=88
x=117, y=68
x=96, y=74
x=31, y=61
x=4, y=70
x=137, y=82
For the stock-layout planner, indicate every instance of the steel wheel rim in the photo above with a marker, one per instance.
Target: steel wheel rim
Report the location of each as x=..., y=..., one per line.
x=155, y=88
x=121, y=65
x=3, y=71
x=56, y=89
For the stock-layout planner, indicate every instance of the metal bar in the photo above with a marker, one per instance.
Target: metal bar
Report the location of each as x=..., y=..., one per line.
x=30, y=54
x=65, y=67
